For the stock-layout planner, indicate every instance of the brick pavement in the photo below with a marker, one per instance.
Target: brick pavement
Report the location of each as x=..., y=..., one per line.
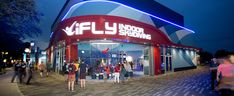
x=6, y=87
x=193, y=82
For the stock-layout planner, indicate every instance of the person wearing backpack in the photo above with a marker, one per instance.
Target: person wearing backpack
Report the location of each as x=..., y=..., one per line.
x=71, y=76
x=82, y=69
x=29, y=72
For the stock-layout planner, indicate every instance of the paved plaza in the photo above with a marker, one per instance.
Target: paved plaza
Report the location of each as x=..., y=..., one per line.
x=6, y=87
x=193, y=82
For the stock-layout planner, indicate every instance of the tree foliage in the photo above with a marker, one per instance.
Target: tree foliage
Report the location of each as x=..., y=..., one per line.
x=221, y=53
x=205, y=57
x=18, y=19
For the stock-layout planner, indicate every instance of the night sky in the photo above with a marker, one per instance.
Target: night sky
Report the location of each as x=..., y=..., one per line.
x=212, y=20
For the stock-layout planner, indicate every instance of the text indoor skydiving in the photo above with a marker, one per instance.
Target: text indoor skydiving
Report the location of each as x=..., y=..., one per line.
x=123, y=29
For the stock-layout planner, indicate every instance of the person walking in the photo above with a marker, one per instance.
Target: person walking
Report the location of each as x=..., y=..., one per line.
x=117, y=72
x=20, y=72
x=23, y=69
x=48, y=68
x=41, y=68
x=4, y=67
x=71, y=76
x=16, y=71
x=30, y=73
x=82, y=69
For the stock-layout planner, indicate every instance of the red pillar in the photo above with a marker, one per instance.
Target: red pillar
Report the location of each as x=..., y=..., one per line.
x=157, y=60
x=71, y=53
x=74, y=52
x=67, y=52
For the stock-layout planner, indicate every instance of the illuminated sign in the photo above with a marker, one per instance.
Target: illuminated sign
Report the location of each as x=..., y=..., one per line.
x=122, y=29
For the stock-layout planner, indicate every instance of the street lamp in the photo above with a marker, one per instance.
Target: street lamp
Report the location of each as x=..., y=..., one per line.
x=27, y=51
x=32, y=44
x=5, y=60
x=82, y=52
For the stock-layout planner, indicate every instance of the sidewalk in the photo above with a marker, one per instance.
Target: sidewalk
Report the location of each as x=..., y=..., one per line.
x=6, y=87
x=194, y=82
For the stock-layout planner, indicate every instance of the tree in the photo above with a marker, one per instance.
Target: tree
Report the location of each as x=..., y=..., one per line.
x=18, y=19
x=205, y=57
x=9, y=42
x=221, y=53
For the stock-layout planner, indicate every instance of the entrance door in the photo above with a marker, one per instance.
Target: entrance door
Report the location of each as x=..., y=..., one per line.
x=166, y=60
x=168, y=63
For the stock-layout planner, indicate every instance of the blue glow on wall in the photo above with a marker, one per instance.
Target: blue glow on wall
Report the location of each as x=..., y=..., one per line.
x=129, y=8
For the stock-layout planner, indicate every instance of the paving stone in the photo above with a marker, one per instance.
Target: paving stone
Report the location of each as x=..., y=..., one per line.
x=183, y=83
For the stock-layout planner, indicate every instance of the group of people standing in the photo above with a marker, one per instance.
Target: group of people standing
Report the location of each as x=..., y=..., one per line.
x=22, y=71
x=74, y=72
x=123, y=72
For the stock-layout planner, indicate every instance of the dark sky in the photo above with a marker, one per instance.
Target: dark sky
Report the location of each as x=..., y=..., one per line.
x=212, y=20
x=50, y=10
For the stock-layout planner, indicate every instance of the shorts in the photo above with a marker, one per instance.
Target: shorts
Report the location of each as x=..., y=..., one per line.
x=41, y=70
x=83, y=76
x=71, y=77
x=48, y=70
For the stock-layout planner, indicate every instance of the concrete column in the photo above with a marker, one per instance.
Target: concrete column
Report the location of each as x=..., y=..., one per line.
x=151, y=60
x=164, y=59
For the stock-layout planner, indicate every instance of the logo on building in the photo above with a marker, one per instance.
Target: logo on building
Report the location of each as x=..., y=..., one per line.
x=109, y=29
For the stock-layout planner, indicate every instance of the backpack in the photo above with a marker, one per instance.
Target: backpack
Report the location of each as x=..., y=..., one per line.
x=23, y=66
x=123, y=70
x=71, y=68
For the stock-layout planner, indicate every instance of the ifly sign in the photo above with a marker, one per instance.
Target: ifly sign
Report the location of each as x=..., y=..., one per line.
x=78, y=28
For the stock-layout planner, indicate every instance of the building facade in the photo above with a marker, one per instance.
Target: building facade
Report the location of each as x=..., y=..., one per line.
x=104, y=32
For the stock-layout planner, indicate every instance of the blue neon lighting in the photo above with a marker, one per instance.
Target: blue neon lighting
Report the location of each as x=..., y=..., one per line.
x=129, y=8
x=51, y=34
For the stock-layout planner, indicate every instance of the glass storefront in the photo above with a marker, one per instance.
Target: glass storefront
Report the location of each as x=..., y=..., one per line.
x=96, y=53
x=60, y=57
